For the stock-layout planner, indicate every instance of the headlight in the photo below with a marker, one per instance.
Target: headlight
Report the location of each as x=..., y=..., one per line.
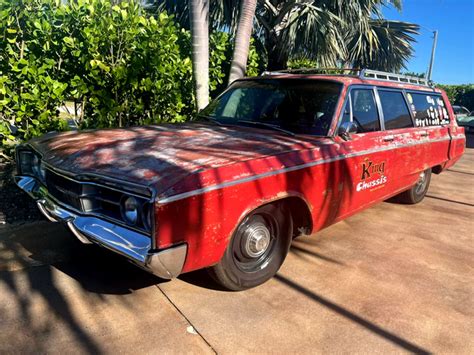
x=30, y=164
x=26, y=162
x=130, y=210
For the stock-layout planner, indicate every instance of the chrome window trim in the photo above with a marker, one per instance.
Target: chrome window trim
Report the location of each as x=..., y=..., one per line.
x=378, y=102
x=401, y=91
x=412, y=115
x=372, y=88
x=348, y=97
x=379, y=106
x=168, y=199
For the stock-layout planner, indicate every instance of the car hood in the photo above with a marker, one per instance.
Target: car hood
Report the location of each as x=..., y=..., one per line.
x=159, y=156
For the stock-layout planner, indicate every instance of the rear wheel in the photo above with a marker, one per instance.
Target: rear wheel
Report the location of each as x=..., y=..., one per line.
x=256, y=251
x=418, y=191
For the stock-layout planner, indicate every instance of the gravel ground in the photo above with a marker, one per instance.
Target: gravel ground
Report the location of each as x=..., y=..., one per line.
x=15, y=205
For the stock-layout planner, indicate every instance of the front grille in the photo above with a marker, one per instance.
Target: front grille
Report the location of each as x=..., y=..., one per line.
x=64, y=190
x=90, y=198
x=84, y=197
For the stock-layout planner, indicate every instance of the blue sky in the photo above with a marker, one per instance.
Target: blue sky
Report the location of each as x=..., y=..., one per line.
x=454, y=19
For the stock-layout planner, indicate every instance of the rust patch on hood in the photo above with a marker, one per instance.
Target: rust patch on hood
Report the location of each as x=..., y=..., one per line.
x=160, y=156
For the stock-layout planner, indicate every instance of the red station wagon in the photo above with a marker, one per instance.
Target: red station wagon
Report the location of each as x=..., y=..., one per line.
x=272, y=158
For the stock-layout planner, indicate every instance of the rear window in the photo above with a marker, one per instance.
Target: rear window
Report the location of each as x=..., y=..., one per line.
x=395, y=110
x=428, y=109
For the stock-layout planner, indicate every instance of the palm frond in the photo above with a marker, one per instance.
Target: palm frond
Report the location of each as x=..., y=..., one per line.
x=387, y=46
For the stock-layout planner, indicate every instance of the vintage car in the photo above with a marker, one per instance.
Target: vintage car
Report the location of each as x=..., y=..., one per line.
x=272, y=158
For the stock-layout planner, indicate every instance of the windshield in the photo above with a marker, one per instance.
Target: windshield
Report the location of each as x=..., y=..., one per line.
x=298, y=106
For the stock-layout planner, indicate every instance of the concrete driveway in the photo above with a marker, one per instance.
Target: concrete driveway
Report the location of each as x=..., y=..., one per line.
x=393, y=278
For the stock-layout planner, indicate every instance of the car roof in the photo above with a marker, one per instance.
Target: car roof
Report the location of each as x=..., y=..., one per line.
x=347, y=80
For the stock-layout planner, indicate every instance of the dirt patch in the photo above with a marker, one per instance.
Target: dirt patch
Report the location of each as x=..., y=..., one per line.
x=15, y=205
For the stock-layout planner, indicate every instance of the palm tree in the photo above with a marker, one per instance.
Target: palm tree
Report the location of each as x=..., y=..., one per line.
x=242, y=40
x=329, y=32
x=199, y=22
x=387, y=47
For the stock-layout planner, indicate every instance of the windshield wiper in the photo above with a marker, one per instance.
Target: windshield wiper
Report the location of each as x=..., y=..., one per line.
x=210, y=119
x=267, y=125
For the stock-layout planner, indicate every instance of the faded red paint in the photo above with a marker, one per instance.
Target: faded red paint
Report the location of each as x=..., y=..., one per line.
x=176, y=160
x=159, y=156
x=206, y=221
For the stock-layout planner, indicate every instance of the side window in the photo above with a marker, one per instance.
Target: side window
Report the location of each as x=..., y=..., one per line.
x=395, y=110
x=364, y=110
x=428, y=109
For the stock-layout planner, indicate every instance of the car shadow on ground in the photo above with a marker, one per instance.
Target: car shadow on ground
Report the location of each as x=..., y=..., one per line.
x=96, y=269
x=30, y=257
x=395, y=339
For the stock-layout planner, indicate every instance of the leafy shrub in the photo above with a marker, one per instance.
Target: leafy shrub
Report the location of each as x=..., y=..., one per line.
x=134, y=70
x=121, y=65
x=301, y=63
x=462, y=95
x=30, y=91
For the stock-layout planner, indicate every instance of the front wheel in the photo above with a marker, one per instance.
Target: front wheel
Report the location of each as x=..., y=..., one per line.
x=256, y=251
x=418, y=191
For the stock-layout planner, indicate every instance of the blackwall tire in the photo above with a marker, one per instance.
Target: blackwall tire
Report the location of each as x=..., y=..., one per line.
x=417, y=193
x=257, y=249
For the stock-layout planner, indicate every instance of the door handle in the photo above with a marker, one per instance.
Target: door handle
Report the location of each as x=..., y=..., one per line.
x=389, y=138
x=423, y=134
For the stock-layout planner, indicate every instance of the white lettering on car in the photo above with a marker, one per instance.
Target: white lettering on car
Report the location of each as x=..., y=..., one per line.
x=364, y=185
x=369, y=169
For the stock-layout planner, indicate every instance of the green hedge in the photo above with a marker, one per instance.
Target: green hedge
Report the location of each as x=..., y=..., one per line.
x=462, y=95
x=122, y=65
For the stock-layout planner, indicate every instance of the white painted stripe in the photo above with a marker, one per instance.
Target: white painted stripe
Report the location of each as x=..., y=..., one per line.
x=203, y=190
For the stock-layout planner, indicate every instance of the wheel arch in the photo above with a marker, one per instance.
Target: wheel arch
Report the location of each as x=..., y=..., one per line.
x=298, y=207
x=437, y=169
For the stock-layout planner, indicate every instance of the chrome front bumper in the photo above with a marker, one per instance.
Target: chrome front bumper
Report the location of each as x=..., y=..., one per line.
x=137, y=247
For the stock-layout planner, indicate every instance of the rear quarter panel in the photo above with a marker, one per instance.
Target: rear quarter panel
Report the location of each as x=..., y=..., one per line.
x=458, y=138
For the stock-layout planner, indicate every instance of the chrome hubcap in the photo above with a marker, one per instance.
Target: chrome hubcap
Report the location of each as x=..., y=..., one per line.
x=420, y=185
x=257, y=239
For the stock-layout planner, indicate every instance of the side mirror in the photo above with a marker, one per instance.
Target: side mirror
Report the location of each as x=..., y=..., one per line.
x=346, y=128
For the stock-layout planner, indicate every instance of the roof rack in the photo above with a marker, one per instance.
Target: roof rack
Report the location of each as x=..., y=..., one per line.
x=401, y=78
x=334, y=71
x=361, y=73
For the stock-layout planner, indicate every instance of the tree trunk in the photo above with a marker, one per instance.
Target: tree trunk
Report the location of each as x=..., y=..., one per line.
x=242, y=40
x=199, y=18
